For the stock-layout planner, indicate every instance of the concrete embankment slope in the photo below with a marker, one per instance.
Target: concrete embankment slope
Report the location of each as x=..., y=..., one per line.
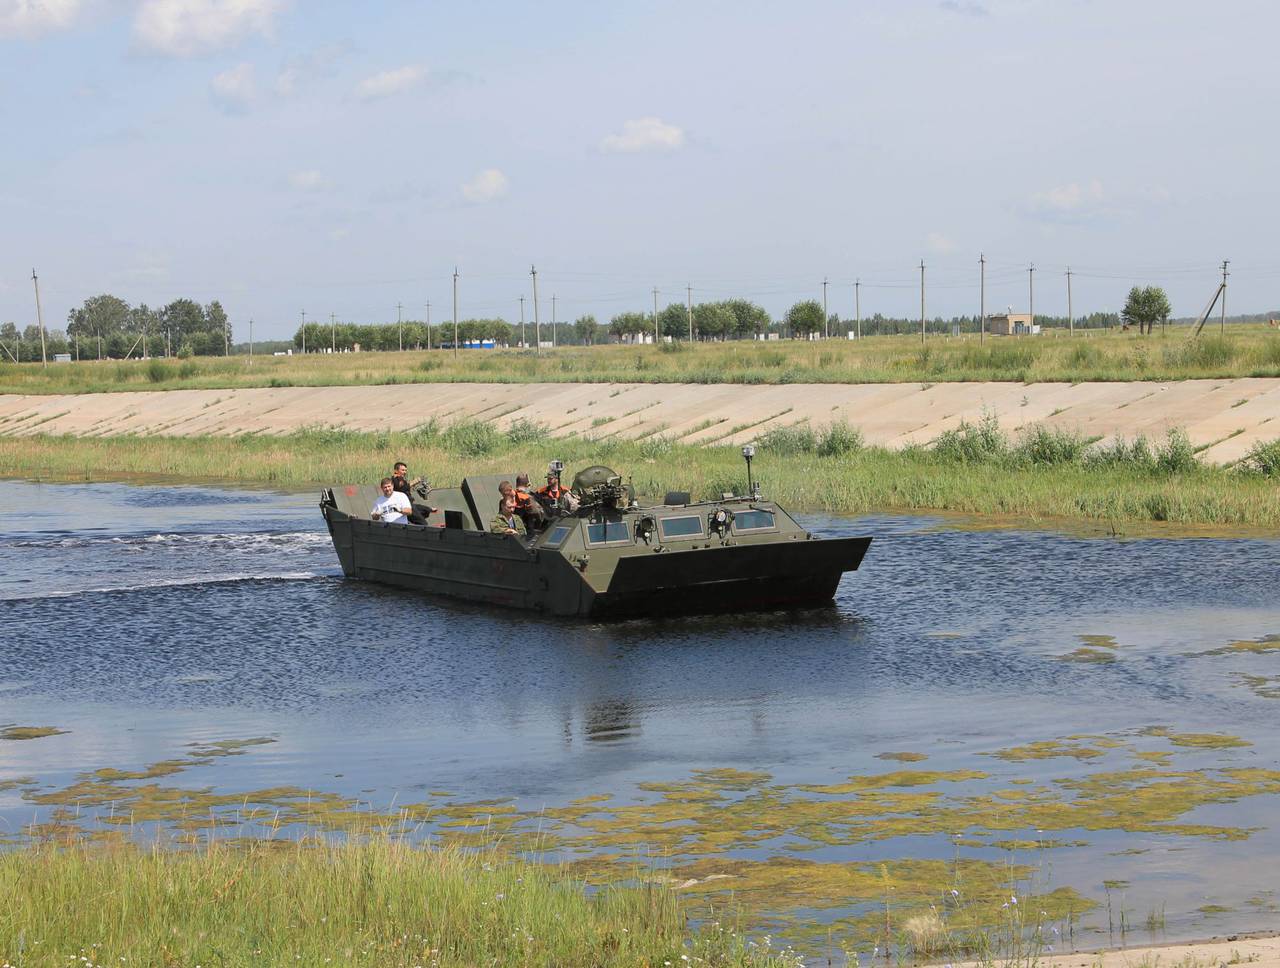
x=1227, y=417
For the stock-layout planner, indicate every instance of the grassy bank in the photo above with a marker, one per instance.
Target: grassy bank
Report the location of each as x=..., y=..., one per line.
x=1247, y=350
x=975, y=469
x=380, y=903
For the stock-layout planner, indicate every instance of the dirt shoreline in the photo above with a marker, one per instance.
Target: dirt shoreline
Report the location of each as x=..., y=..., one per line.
x=1256, y=948
x=1223, y=417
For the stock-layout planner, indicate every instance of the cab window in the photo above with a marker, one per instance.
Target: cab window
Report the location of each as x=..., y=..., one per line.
x=689, y=526
x=755, y=520
x=555, y=537
x=608, y=532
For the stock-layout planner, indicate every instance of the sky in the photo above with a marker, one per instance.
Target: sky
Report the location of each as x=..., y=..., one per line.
x=290, y=156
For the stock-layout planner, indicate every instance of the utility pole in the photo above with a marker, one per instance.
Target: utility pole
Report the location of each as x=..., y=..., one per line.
x=304, y=332
x=537, y=326
x=455, y=312
x=826, y=325
x=40, y=316
x=524, y=343
x=333, y=334
x=1071, y=319
x=922, y=302
x=1031, y=295
x=251, y=341
x=400, y=324
x=1222, y=326
x=226, y=337
x=553, y=320
x=982, y=297
x=857, y=304
x=655, y=316
x=689, y=308
x=428, y=324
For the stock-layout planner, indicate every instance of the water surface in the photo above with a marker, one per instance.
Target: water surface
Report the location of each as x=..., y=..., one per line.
x=148, y=622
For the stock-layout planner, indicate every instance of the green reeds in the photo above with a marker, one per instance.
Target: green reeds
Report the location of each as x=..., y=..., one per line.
x=1096, y=355
x=975, y=469
x=378, y=903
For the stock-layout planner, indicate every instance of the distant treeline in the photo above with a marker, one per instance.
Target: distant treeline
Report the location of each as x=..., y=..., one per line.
x=107, y=326
x=731, y=319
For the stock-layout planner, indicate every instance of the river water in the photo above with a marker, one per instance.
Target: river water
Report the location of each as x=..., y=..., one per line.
x=1086, y=724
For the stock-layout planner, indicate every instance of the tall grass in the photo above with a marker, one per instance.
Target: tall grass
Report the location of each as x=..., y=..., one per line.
x=976, y=469
x=1248, y=350
x=378, y=903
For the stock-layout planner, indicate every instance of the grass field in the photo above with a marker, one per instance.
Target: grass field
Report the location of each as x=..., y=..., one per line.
x=380, y=903
x=1246, y=350
x=976, y=469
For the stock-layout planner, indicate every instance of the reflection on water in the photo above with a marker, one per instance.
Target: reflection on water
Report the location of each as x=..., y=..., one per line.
x=1018, y=689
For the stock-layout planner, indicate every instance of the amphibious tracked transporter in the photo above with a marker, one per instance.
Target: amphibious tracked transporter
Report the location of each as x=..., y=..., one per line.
x=610, y=557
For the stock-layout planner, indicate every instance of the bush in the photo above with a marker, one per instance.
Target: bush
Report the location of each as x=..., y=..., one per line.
x=1176, y=455
x=1120, y=452
x=789, y=441
x=1206, y=353
x=1263, y=459
x=652, y=448
x=158, y=371
x=188, y=369
x=1048, y=446
x=471, y=438
x=973, y=443
x=838, y=440
x=524, y=431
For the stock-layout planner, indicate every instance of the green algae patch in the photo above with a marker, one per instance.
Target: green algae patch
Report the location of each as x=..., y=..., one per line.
x=1268, y=643
x=1088, y=654
x=30, y=732
x=1265, y=687
x=17, y=783
x=1212, y=909
x=907, y=757
x=1099, y=641
x=1204, y=741
x=899, y=778
x=1048, y=749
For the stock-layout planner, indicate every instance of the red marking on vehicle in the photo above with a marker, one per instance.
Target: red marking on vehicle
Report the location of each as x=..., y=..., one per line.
x=351, y=490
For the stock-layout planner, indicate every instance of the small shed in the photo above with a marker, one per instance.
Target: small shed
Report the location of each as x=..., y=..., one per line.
x=1012, y=324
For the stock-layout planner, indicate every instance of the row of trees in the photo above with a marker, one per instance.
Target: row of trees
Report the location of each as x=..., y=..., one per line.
x=107, y=326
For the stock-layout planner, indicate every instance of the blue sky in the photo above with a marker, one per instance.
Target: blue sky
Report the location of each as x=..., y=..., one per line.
x=288, y=156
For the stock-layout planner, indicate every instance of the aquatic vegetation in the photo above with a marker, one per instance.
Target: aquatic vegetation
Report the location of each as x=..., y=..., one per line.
x=1268, y=643
x=870, y=478
x=731, y=839
x=29, y=732
x=903, y=757
x=1212, y=741
x=1267, y=687
x=1088, y=654
x=1048, y=749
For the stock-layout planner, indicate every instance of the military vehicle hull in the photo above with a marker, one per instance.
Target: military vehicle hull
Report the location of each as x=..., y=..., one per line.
x=562, y=572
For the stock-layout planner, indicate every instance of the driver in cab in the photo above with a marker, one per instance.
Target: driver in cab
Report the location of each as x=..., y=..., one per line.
x=393, y=507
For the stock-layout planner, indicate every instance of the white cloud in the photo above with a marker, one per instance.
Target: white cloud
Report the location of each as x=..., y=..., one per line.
x=486, y=186
x=309, y=180
x=644, y=134
x=1071, y=201
x=27, y=18
x=937, y=242
x=183, y=28
x=234, y=88
x=390, y=82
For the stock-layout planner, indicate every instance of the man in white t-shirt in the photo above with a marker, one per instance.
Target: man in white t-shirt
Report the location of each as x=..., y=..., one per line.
x=393, y=507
